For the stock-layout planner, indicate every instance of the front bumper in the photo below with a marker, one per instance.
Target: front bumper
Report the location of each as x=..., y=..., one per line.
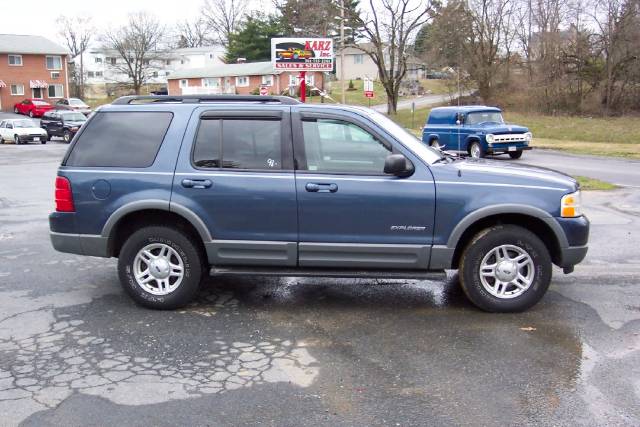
x=32, y=138
x=504, y=148
x=576, y=231
x=573, y=255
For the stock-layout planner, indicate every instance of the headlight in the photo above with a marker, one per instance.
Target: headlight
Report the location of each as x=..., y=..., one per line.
x=571, y=205
x=490, y=138
x=528, y=136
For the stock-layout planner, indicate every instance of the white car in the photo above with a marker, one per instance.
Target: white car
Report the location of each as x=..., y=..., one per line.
x=22, y=131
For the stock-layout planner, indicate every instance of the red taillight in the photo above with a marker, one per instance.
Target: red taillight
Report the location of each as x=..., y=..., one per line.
x=64, y=196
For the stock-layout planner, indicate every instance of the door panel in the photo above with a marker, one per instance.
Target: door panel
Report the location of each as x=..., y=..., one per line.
x=231, y=175
x=352, y=215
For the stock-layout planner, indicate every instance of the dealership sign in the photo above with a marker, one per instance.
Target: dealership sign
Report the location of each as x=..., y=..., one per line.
x=302, y=54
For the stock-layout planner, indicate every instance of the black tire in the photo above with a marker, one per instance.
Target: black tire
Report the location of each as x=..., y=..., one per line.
x=515, y=154
x=67, y=136
x=31, y=114
x=481, y=245
x=16, y=140
x=192, y=258
x=472, y=149
x=15, y=110
x=434, y=143
x=1, y=140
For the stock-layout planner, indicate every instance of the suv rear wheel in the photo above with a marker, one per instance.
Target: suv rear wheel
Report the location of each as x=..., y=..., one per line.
x=505, y=268
x=160, y=267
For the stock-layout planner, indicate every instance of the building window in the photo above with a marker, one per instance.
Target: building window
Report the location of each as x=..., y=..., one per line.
x=98, y=73
x=358, y=59
x=17, y=90
x=155, y=74
x=15, y=60
x=267, y=80
x=54, y=62
x=98, y=60
x=242, y=81
x=184, y=83
x=294, y=80
x=211, y=56
x=55, y=74
x=166, y=73
x=168, y=62
x=56, y=91
x=112, y=60
x=90, y=74
x=146, y=62
x=211, y=82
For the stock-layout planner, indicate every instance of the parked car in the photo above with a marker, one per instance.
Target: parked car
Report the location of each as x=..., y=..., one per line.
x=179, y=187
x=476, y=130
x=62, y=123
x=32, y=107
x=21, y=131
x=74, y=104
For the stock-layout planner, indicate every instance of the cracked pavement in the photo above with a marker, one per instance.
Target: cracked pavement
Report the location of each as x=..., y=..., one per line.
x=75, y=350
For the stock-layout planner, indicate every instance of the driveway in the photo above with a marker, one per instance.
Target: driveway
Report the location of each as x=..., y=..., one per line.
x=74, y=349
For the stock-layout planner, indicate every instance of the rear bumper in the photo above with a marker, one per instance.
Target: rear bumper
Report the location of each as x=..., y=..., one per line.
x=81, y=244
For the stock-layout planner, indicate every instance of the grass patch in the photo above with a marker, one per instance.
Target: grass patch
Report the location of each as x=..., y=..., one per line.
x=616, y=149
x=587, y=183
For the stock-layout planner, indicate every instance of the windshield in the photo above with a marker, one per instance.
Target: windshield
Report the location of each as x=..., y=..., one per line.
x=24, y=124
x=76, y=101
x=484, y=117
x=407, y=139
x=74, y=117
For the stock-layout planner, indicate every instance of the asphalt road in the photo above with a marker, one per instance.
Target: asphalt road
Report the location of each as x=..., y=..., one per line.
x=74, y=350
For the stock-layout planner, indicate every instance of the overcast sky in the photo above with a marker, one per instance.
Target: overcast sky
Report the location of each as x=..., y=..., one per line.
x=39, y=16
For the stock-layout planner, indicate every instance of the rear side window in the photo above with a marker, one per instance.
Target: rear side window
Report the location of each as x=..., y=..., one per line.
x=239, y=144
x=121, y=139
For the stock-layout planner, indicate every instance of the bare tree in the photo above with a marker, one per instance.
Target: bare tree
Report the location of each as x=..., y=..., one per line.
x=224, y=17
x=77, y=32
x=390, y=26
x=193, y=33
x=137, y=43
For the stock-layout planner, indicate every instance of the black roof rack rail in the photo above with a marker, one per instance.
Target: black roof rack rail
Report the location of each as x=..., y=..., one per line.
x=195, y=99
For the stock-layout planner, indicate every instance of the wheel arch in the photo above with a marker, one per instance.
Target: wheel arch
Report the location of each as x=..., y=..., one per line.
x=158, y=212
x=541, y=223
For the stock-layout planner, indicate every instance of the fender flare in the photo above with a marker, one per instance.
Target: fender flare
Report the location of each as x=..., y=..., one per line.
x=163, y=205
x=492, y=210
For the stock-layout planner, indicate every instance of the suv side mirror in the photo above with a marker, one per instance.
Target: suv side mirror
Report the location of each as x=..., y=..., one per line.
x=398, y=165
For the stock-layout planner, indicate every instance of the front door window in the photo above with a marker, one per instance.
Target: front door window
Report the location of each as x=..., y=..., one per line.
x=36, y=92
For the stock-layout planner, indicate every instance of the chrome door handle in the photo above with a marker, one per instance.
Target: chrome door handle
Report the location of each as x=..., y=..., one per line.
x=316, y=187
x=196, y=183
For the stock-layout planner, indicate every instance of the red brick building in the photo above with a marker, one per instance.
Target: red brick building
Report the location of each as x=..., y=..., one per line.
x=31, y=67
x=241, y=79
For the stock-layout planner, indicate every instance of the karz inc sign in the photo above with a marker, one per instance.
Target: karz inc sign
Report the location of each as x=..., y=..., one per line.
x=302, y=54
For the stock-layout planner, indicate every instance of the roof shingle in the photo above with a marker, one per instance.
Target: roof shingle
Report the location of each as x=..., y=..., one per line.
x=16, y=43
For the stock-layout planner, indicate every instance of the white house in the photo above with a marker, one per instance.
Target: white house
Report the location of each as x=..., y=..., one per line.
x=103, y=67
x=359, y=65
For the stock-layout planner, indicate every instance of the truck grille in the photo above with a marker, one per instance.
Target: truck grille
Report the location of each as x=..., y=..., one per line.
x=509, y=137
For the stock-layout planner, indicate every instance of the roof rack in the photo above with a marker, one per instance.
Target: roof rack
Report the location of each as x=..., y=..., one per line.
x=196, y=99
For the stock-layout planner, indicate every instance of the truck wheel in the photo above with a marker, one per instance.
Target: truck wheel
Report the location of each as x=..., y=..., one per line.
x=67, y=136
x=515, y=154
x=435, y=143
x=160, y=267
x=504, y=269
x=475, y=150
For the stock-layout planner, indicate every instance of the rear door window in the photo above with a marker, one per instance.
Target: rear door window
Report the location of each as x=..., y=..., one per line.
x=239, y=143
x=121, y=139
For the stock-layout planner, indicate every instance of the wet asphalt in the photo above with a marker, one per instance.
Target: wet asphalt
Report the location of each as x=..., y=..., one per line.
x=75, y=350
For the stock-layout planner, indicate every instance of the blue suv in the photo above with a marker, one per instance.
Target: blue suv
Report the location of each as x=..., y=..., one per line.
x=180, y=187
x=476, y=130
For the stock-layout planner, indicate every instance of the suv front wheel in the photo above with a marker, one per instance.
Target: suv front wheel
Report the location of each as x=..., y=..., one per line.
x=160, y=267
x=505, y=268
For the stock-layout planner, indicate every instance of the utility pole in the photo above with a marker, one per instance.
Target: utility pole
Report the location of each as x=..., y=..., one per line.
x=344, y=94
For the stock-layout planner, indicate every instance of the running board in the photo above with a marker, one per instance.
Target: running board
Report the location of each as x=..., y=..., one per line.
x=326, y=272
